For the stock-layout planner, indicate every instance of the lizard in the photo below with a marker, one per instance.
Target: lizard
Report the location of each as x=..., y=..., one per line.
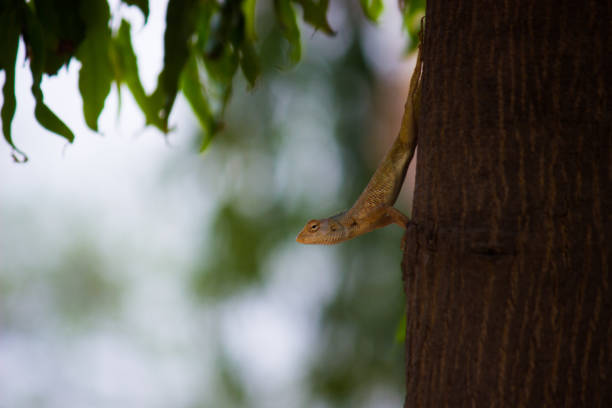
x=374, y=207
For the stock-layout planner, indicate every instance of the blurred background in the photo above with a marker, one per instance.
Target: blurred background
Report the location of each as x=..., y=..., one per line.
x=136, y=272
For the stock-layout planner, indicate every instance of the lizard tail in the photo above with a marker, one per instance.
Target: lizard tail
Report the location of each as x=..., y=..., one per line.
x=386, y=183
x=415, y=80
x=413, y=101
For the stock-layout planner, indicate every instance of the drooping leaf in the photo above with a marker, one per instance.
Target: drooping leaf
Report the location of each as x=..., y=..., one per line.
x=222, y=68
x=48, y=119
x=249, y=60
x=143, y=5
x=126, y=71
x=96, y=73
x=372, y=8
x=227, y=26
x=42, y=113
x=219, y=83
x=228, y=43
x=249, y=63
x=8, y=44
x=315, y=14
x=205, y=42
x=195, y=94
x=285, y=14
x=248, y=9
x=63, y=30
x=180, y=26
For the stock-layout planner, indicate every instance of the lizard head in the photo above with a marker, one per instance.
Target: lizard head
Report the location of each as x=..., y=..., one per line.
x=324, y=231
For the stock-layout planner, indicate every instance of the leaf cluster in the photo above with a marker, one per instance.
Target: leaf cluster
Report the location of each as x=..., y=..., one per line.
x=205, y=43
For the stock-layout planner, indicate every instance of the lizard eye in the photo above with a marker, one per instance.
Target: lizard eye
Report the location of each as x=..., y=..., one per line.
x=314, y=227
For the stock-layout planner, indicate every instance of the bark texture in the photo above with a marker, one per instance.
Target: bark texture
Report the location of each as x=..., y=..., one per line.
x=507, y=267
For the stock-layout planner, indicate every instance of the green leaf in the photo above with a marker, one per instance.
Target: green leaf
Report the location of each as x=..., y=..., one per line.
x=194, y=93
x=48, y=119
x=8, y=44
x=96, y=73
x=285, y=14
x=34, y=39
x=249, y=63
x=223, y=28
x=180, y=25
x=126, y=71
x=221, y=72
x=372, y=8
x=315, y=14
x=42, y=113
x=223, y=67
x=204, y=25
x=143, y=5
x=63, y=30
x=248, y=9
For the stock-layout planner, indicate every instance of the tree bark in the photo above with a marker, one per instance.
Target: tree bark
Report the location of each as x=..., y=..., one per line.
x=507, y=266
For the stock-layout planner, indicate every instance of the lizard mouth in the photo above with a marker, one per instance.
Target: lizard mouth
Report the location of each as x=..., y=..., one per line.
x=303, y=238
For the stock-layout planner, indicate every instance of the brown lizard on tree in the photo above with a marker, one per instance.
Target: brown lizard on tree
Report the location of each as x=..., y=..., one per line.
x=374, y=207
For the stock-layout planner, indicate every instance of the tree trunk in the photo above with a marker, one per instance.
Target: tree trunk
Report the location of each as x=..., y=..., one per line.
x=506, y=270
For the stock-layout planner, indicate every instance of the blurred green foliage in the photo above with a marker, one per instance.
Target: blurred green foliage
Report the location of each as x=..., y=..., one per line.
x=358, y=349
x=39, y=288
x=204, y=45
x=413, y=12
x=83, y=288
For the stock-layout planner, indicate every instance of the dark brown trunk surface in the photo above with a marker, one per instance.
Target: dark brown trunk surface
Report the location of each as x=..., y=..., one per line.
x=507, y=269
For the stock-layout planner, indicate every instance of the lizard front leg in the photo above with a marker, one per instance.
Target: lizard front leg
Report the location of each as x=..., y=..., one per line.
x=400, y=219
x=397, y=217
